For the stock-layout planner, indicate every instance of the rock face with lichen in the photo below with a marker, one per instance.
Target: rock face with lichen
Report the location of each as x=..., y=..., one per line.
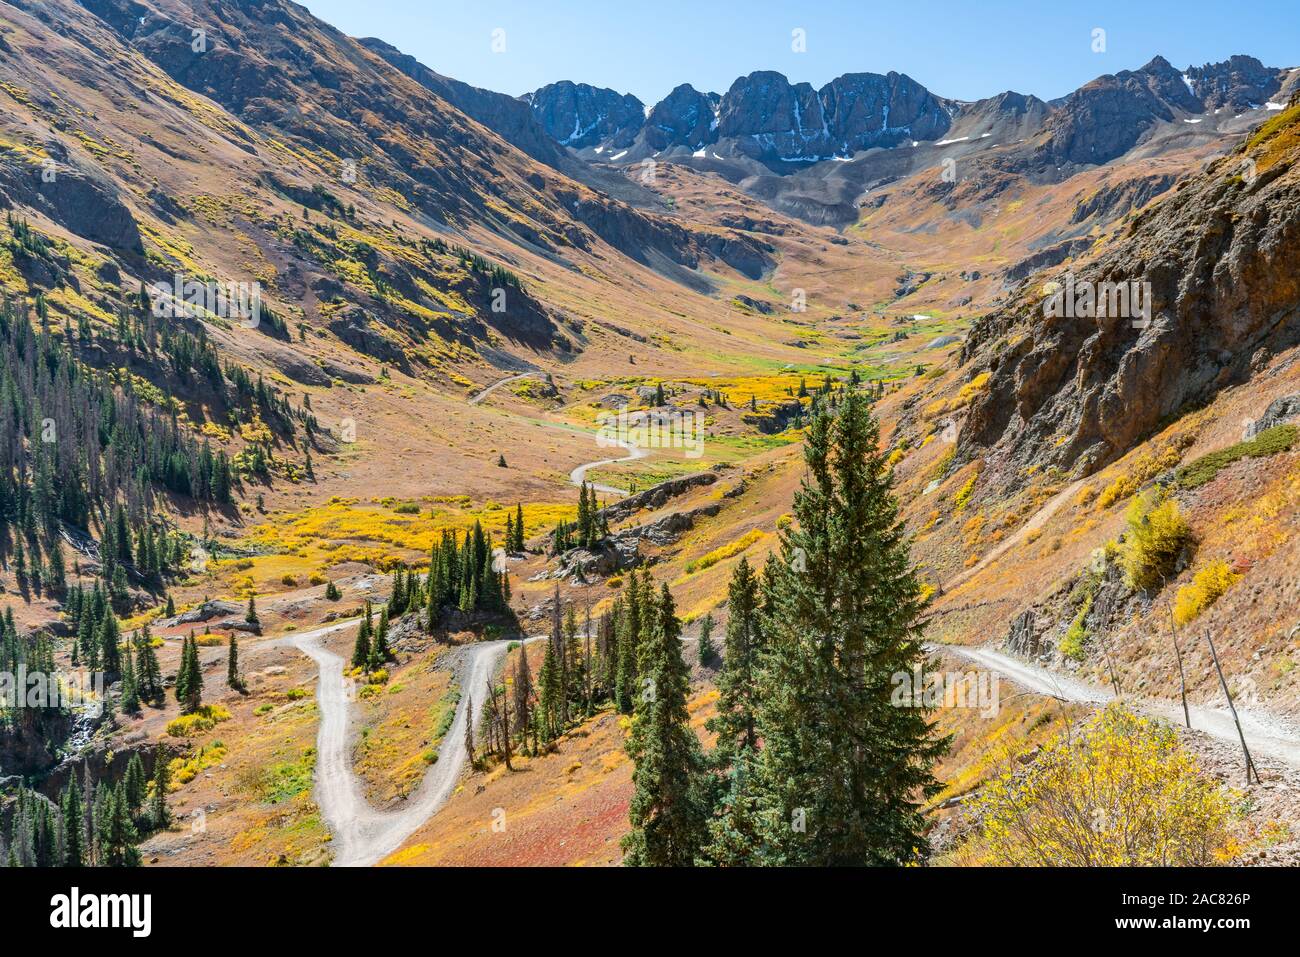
x=1221, y=256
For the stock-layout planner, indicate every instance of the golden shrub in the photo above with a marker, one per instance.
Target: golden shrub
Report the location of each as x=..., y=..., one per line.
x=1207, y=586
x=1120, y=792
x=1156, y=535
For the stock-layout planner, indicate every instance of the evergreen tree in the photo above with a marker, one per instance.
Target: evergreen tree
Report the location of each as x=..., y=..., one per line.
x=361, y=648
x=707, y=651
x=842, y=773
x=73, y=850
x=117, y=831
x=159, y=814
x=667, y=810
x=735, y=723
x=135, y=784
x=232, y=665
x=148, y=674
x=130, y=691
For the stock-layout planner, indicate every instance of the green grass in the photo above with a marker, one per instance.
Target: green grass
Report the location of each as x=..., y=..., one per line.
x=1280, y=438
x=286, y=780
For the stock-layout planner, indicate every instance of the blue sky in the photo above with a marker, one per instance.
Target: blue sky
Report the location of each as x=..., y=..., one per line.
x=962, y=50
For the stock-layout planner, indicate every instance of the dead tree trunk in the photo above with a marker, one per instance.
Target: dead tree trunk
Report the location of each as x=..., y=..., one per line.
x=1223, y=682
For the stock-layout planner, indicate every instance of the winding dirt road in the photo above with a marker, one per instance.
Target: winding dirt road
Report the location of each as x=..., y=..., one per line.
x=363, y=835
x=479, y=397
x=578, y=475
x=1265, y=734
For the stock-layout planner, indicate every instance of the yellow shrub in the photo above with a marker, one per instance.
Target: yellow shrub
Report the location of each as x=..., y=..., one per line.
x=1122, y=792
x=964, y=493
x=1156, y=536
x=205, y=719
x=1144, y=468
x=725, y=552
x=1207, y=586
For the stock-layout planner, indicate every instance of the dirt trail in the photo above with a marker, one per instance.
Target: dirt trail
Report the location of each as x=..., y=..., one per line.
x=579, y=474
x=1265, y=734
x=1036, y=522
x=363, y=835
x=479, y=397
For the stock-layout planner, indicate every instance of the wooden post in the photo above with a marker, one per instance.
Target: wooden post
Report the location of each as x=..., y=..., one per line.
x=1250, y=764
x=1182, y=677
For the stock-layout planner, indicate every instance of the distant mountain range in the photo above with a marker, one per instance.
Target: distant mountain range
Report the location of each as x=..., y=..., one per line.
x=765, y=125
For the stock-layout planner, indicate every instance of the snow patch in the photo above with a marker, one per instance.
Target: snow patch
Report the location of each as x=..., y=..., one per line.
x=960, y=139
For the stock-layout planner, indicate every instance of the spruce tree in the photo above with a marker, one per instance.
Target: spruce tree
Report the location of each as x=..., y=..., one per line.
x=148, y=675
x=667, y=810
x=842, y=773
x=361, y=647
x=159, y=814
x=735, y=723
x=232, y=665
x=73, y=851
x=706, y=649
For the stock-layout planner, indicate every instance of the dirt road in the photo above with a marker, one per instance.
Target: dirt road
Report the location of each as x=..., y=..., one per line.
x=1265, y=734
x=363, y=835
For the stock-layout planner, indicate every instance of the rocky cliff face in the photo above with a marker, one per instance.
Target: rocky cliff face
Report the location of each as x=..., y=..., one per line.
x=1108, y=116
x=795, y=123
x=579, y=116
x=1238, y=83
x=1221, y=255
x=686, y=117
x=789, y=126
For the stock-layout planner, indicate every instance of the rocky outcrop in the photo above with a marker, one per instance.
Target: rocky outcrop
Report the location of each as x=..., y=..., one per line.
x=1023, y=637
x=656, y=496
x=685, y=117
x=1115, y=199
x=1221, y=260
x=1279, y=412
x=1239, y=83
x=204, y=612
x=578, y=115
x=83, y=204
x=1045, y=258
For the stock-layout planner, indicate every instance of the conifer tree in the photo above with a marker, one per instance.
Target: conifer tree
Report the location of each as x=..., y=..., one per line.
x=667, y=810
x=148, y=674
x=707, y=651
x=842, y=773
x=361, y=648
x=130, y=690
x=73, y=850
x=159, y=814
x=232, y=665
